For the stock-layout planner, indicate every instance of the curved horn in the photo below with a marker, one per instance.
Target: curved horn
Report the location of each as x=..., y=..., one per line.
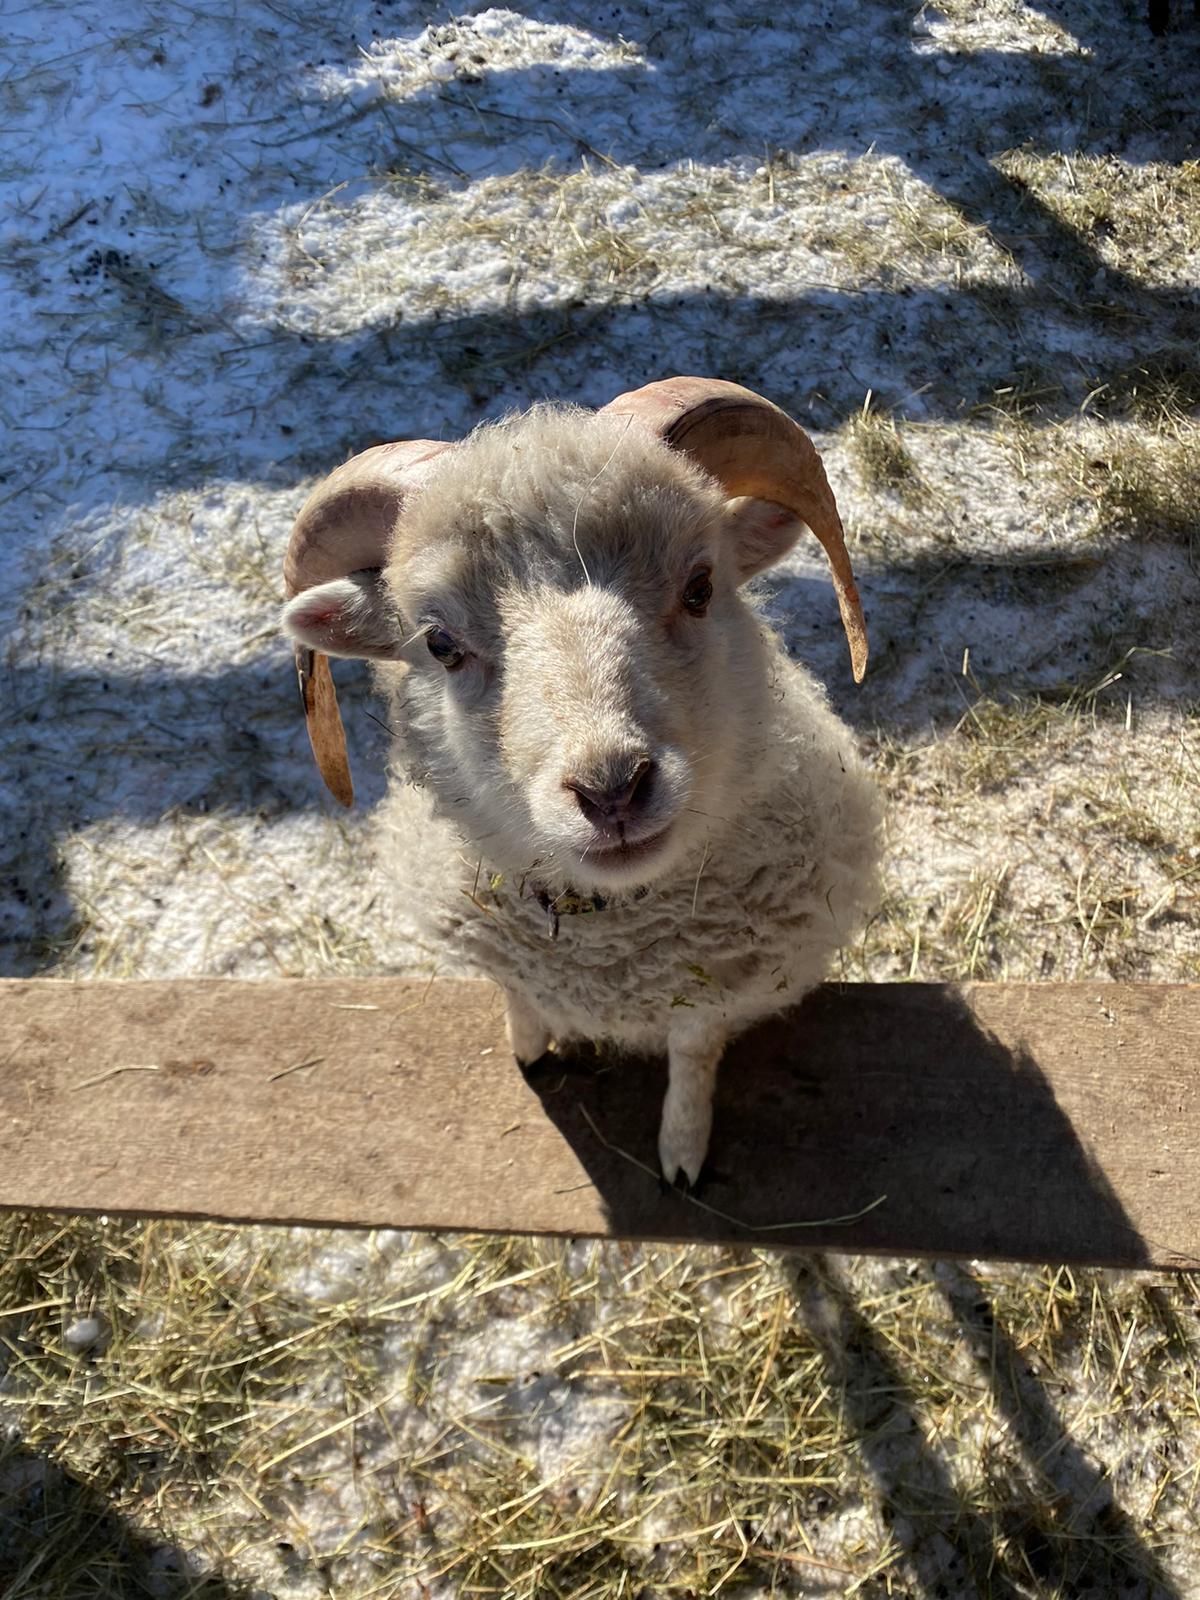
x=346, y=523
x=753, y=448
x=345, y=526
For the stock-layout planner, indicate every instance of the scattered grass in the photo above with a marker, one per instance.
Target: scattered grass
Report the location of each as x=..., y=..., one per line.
x=1067, y=830
x=1159, y=391
x=711, y=1407
x=491, y=1416
x=1125, y=480
x=1141, y=487
x=883, y=460
x=976, y=924
x=1004, y=738
x=1143, y=220
x=614, y=232
x=1027, y=394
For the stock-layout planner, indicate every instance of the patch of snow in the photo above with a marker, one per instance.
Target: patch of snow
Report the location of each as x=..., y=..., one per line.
x=237, y=243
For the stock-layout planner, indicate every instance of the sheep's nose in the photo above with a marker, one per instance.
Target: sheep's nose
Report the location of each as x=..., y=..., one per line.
x=619, y=797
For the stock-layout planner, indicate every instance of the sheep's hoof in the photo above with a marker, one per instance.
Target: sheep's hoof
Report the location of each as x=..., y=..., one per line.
x=682, y=1184
x=683, y=1140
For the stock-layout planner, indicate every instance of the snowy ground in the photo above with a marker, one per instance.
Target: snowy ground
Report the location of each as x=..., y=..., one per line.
x=962, y=245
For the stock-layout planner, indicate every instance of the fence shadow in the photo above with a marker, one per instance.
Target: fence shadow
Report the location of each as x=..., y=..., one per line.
x=1065, y=1536
x=145, y=744
x=891, y=1091
x=227, y=739
x=898, y=1094
x=807, y=1127
x=1075, y=324
x=54, y=1527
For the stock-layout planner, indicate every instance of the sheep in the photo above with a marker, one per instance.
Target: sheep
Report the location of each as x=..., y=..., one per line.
x=610, y=789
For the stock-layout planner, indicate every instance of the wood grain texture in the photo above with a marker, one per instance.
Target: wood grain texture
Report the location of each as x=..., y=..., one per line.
x=1056, y=1122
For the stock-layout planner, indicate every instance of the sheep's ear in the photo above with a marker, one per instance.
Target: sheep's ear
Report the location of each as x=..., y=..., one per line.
x=350, y=616
x=761, y=533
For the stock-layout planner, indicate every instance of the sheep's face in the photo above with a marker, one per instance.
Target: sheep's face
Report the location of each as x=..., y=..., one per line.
x=585, y=686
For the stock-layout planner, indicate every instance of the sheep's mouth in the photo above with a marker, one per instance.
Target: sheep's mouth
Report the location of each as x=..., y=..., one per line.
x=627, y=852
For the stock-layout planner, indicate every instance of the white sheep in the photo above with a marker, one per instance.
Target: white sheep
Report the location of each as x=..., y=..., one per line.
x=611, y=790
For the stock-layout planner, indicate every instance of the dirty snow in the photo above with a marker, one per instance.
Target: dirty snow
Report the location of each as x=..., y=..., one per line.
x=238, y=243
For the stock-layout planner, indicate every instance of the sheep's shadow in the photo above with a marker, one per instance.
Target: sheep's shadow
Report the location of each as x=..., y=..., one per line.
x=901, y=1113
x=50, y=1521
x=877, y=1119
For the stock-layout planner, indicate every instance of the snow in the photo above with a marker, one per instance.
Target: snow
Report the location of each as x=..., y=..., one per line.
x=238, y=242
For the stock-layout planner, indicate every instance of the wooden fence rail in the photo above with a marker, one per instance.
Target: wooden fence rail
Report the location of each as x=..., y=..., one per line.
x=1056, y=1122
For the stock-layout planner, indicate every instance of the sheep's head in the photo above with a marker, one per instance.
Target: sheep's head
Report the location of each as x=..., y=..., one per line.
x=585, y=681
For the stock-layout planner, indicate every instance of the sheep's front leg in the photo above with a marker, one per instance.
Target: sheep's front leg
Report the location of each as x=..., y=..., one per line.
x=694, y=1050
x=528, y=1035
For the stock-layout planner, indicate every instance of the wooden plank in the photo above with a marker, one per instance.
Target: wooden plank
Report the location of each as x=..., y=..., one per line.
x=1029, y=1122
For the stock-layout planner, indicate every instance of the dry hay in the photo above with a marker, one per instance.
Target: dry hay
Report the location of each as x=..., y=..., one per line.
x=992, y=356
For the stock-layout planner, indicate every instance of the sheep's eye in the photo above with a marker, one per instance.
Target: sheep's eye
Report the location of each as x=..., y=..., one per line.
x=698, y=593
x=443, y=648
